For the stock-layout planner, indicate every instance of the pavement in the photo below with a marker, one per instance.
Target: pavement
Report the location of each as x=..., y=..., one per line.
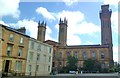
x=101, y=74
x=110, y=75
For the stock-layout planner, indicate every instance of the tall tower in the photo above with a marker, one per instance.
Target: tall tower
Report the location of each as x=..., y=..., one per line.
x=41, y=31
x=106, y=32
x=63, y=32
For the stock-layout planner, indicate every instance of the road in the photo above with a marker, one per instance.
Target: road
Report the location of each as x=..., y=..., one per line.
x=111, y=75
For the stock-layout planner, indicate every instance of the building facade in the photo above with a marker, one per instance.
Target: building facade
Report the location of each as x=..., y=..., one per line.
x=22, y=55
x=102, y=52
x=13, y=52
x=84, y=52
x=0, y=51
x=106, y=31
x=39, y=60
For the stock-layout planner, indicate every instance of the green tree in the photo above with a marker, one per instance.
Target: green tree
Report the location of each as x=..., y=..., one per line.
x=72, y=63
x=115, y=68
x=91, y=65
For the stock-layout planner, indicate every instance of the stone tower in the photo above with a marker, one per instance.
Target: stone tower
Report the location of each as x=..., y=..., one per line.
x=41, y=31
x=63, y=32
x=106, y=32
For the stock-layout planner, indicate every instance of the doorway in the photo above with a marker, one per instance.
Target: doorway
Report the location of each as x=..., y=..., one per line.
x=7, y=65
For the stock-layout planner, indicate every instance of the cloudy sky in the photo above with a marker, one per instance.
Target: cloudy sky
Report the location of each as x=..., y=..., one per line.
x=82, y=15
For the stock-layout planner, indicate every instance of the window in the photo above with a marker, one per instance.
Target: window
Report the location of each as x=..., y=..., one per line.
x=29, y=68
x=9, y=50
x=21, y=40
x=53, y=64
x=49, y=58
x=37, y=67
x=68, y=54
x=20, y=52
x=84, y=55
x=31, y=56
x=60, y=54
x=102, y=55
x=50, y=50
x=76, y=55
x=11, y=37
x=93, y=55
x=54, y=55
x=38, y=57
x=60, y=63
x=44, y=58
x=48, y=68
x=39, y=47
x=32, y=45
x=18, y=65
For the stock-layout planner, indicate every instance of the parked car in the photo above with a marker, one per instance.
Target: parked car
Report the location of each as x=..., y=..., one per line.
x=72, y=72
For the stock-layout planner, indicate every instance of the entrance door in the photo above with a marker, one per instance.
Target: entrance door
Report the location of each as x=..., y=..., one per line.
x=7, y=65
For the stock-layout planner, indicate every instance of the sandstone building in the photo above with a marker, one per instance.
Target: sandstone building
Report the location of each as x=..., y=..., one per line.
x=102, y=52
x=22, y=55
x=14, y=51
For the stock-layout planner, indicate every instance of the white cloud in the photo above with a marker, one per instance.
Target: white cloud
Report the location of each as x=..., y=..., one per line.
x=89, y=43
x=73, y=40
x=32, y=28
x=119, y=54
x=2, y=22
x=45, y=13
x=114, y=21
x=30, y=25
x=48, y=34
x=77, y=25
x=9, y=7
x=112, y=2
x=70, y=2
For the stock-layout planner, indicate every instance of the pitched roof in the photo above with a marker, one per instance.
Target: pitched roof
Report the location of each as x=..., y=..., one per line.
x=14, y=30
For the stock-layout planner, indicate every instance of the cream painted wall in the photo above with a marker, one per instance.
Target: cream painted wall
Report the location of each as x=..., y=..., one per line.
x=42, y=50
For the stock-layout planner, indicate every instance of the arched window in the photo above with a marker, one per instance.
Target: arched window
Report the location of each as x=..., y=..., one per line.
x=102, y=55
x=76, y=55
x=60, y=54
x=93, y=55
x=68, y=54
x=84, y=55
